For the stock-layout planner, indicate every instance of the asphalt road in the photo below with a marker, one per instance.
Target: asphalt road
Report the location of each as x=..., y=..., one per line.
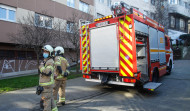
x=172, y=95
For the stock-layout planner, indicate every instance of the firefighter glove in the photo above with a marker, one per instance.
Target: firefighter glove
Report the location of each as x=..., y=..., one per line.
x=39, y=90
x=66, y=74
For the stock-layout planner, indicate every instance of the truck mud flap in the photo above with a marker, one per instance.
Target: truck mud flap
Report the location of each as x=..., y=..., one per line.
x=151, y=86
x=105, y=79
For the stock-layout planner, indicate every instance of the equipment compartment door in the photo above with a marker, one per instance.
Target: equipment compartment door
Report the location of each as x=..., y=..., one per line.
x=104, y=47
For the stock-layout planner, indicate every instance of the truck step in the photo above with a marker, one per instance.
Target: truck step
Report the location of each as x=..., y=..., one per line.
x=144, y=78
x=151, y=86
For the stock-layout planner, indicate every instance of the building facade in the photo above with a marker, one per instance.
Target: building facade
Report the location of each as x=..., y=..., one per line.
x=179, y=15
x=144, y=6
x=14, y=60
x=102, y=8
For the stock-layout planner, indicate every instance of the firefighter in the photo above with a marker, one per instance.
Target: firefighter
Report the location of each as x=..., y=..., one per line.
x=46, y=81
x=61, y=73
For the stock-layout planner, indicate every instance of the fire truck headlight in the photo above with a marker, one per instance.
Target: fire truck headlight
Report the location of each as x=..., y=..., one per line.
x=130, y=26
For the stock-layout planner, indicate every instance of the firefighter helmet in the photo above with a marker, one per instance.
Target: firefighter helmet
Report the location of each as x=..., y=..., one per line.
x=59, y=50
x=48, y=48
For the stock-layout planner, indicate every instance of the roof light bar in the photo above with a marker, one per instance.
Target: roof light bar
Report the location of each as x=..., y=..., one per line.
x=103, y=18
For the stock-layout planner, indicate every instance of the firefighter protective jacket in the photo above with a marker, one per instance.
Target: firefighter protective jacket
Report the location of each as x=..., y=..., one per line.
x=62, y=62
x=46, y=72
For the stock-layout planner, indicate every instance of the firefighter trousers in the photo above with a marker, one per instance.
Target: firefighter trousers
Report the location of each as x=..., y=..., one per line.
x=47, y=95
x=59, y=86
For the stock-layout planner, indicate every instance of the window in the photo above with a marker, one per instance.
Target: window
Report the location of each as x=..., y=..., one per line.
x=101, y=1
x=30, y=55
x=70, y=26
x=180, y=2
x=172, y=1
x=7, y=54
x=146, y=0
x=182, y=24
x=7, y=13
x=109, y=3
x=172, y=21
x=71, y=3
x=83, y=7
x=186, y=4
x=43, y=21
x=99, y=15
x=153, y=2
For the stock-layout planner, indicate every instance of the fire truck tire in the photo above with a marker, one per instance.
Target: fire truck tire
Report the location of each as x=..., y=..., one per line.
x=169, y=68
x=155, y=76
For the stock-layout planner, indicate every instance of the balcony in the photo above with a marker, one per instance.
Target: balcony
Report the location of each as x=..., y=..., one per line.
x=175, y=8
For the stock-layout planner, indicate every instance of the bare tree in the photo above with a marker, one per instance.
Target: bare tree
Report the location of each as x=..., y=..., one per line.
x=32, y=35
x=161, y=13
x=68, y=34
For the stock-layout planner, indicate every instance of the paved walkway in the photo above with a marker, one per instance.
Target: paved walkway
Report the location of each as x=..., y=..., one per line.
x=27, y=100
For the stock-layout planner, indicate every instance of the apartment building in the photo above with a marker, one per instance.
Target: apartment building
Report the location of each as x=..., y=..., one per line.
x=14, y=60
x=179, y=15
x=102, y=8
x=144, y=6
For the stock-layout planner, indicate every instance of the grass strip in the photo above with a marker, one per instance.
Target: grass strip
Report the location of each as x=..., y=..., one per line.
x=25, y=82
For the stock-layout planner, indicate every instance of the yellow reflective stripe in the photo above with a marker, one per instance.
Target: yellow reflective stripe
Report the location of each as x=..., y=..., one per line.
x=68, y=71
x=122, y=72
x=57, y=63
x=83, y=26
x=128, y=18
x=83, y=41
x=55, y=109
x=84, y=32
x=61, y=99
x=41, y=69
x=50, y=67
x=127, y=26
x=48, y=83
x=60, y=77
x=126, y=51
x=129, y=45
x=62, y=58
x=120, y=29
x=125, y=33
x=126, y=60
x=126, y=68
x=121, y=21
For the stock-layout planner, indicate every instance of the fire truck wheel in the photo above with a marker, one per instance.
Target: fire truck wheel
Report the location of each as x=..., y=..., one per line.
x=155, y=76
x=169, y=68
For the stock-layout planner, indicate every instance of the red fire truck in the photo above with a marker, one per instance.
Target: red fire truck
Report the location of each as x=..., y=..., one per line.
x=126, y=48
